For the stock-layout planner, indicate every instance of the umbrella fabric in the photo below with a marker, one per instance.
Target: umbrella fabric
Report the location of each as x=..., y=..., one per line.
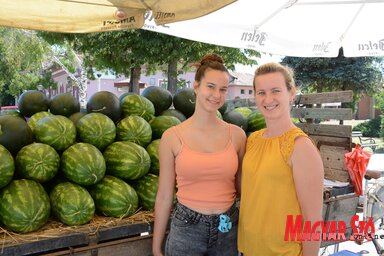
x=82, y=16
x=356, y=163
x=301, y=28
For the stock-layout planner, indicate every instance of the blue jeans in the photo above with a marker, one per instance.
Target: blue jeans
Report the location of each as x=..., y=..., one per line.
x=196, y=234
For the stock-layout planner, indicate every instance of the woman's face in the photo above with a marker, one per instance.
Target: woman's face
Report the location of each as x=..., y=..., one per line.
x=212, y=90
x=272, y=95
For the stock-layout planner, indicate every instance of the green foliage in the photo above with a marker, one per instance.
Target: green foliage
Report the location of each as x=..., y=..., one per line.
x=22, y=55
x=125, y=50
x=370, y=128
x=362, y=74
x=382, y=127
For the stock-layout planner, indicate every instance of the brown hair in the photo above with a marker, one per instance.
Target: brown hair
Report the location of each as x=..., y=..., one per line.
x=209, y=61
x=273, y=67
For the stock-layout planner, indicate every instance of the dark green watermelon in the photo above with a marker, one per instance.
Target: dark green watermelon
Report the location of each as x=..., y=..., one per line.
x=64, y=104
x=31, y=102
x=7, y=166
x=184, y=100
x=174, y=112
x=236, y=118
x=106, y=103
x=14, y=133
x=160, y=97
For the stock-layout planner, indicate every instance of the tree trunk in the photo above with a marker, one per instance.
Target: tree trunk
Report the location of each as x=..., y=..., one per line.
x=83, y=88
x=172, y=76
x=134, y=81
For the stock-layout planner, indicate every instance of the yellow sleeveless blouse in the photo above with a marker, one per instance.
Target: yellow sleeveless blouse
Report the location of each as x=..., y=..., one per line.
x=268, y=195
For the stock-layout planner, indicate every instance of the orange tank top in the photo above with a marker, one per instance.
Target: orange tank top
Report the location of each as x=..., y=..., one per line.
x=206, y=180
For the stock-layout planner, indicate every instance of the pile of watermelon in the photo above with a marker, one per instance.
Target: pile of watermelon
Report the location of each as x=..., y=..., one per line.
x=62, y=162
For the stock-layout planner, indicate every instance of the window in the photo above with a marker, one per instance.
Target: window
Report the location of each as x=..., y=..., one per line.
x=163, y=83
x=242, y=91
x=152, y=81
x=250, y=91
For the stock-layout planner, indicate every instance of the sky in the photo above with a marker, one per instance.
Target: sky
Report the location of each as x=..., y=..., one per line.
x=264, y=59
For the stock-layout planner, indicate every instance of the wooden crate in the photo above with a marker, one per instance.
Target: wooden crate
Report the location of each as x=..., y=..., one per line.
x=103, y=236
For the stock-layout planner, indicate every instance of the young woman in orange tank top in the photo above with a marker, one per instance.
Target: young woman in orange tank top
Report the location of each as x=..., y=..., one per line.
x=202, y=157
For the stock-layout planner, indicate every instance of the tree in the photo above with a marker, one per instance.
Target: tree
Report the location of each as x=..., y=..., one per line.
x=125, y=52
x=22, y=57
x=363, y=75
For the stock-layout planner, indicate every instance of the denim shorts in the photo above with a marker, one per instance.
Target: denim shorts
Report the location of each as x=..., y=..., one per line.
x=196, y=234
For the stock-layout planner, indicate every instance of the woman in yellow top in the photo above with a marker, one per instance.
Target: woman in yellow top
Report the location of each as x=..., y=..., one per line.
x=282, y=172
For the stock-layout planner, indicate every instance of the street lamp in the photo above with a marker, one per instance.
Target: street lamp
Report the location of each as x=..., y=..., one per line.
x=98, y=82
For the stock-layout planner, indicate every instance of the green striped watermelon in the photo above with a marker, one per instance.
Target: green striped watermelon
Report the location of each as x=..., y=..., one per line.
x=160, y=124
x=153, y=151
x=36, y=117
x=134, y=104
x=134, y=129
x=7, y=166
x=56, y=131
x=24, y=206
x=83, y=164
x=96, y=129
x=146, y=189
x=219, y=115
x=245, y=111
x=255, y=121
x=126, y=160
x=114, y=197
x=72, y=204
x=37, y=161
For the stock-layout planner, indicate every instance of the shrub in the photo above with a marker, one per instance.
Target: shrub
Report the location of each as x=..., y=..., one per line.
x=371, y=128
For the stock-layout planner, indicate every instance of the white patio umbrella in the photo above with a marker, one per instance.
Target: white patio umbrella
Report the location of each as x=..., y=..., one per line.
x=80, y=16
x=302, y=28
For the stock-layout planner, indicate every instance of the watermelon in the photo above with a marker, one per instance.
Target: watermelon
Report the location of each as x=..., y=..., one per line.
x=37, y=161
x=236, y=118
x=126, y=160
x=153, y=152
x=7, y=166
x=174, y=112
x=160, y=97
x=134, y=129
x=14, y=133
x=106, y=103
x=160, y=124
x=36, y=117
x=96, y=129
x=11, y=112
x=125, y=94
x=72, y=204
x=146, y=189
x=57, y=131
x=64, y=104
x=75, y=117
x=134, y=104
x=83, y=164
x=31, y=102
x=24, y=206
x=255, y=121
x=245, y=111
x=184, y=100
x=223, y=108
x=113, y=197
x=219, y=115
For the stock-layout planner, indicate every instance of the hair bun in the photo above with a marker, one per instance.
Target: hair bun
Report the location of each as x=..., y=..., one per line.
x=212, y=57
